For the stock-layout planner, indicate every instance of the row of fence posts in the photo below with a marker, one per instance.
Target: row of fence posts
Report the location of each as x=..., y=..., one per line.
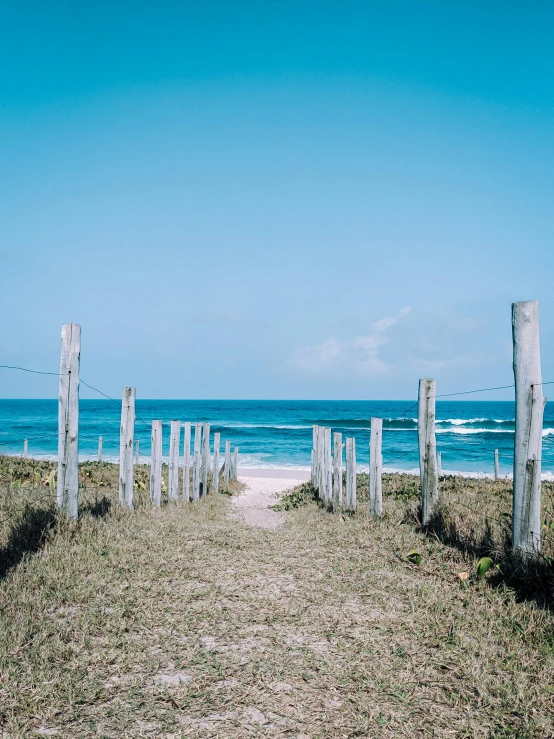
x=200, y=472
x=326, y=475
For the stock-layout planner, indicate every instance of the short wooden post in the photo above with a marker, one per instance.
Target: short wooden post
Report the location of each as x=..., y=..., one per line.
x=215, y=468
x=321, y=463
x=205, y=459
x=496, y=466
x=351, y=474
x=99, y=448
x=526, y=512
x=126, y=468
x=186, y=464
x=427, y=449
x=236, y=463
x=174, y=445
x=137, y=444
x=196, y=472
x=156, y=464
x=337, y=471
x=439, y=465
x=25, y=448
x=68, y=421
x=376, y=467
x=227, y=467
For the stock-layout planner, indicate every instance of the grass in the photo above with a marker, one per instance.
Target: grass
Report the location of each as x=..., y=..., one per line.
x=183, y=622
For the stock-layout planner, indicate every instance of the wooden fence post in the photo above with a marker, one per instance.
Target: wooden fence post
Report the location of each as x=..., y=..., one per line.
x=196, y=462
x=174, y=446
x=496, y=465
x=351, y=474
x=68, y=421
x=236, y=463
x=314, y=455
x=337, y=471
x=25, y=448
x=99, y=448
x=156, y=464
x=439, y=465
x=205, y=459
x=328, y=469
x=186, y=464
x=321, y=463
x=227, y=467
x=526, y=514
x=215, y=473
x=376, y=467
x=427, y=448
x=126, y=468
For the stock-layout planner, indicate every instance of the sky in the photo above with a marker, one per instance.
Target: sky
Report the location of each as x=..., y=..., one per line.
x=287, y=199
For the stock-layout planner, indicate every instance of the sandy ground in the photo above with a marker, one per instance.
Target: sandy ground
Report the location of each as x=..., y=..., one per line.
x=262, y=491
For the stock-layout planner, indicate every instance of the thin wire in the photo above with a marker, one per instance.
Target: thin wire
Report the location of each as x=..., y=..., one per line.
x=34, y=372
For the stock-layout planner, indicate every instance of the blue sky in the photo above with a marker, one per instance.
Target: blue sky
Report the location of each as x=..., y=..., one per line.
x=274, y=200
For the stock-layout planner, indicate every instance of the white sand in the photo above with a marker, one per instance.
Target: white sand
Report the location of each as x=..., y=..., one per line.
x=262, y=491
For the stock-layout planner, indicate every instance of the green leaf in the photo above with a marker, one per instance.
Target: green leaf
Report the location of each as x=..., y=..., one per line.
x=414, y=557
x=483, y=566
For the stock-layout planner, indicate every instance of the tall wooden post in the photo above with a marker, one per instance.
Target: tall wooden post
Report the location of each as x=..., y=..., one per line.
x=156, y=464
x=215, y=473
x=321, y=463
x=351, y=474
x=337, y=471
x=526, y=512
x=427, y=449
x=227, y=467
x=68, y=421
x=186, y=464
x=376, y=467
x=236, y=463
x=315, y=430
x=205, y=459
x=196, y=461
x=328, y=468
x=126, y=468
x=496, y=465
x=99, y=448
x=174, y=446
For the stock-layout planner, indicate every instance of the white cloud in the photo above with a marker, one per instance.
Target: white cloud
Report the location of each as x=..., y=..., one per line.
x=361, y=355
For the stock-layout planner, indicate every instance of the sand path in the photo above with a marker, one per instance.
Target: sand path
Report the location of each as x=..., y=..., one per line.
x=263, y=489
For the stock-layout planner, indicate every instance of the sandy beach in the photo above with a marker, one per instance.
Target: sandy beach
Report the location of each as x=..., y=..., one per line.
x=263, y=487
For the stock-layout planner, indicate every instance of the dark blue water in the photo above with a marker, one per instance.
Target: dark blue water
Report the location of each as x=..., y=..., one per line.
x=279, y=433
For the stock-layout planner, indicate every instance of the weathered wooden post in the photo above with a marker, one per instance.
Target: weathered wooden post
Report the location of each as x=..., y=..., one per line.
x=186, y=464
x=427, y=448
x=126, y=468
x=68, y=421
x=215, y=473
x=227, y=467
x=205, y=459
x=439, y=465
x=314, y=455
x=321, y=463
x=328, y=469
x=156, y=464
x=351, y=474
x=337, y=471
x=236, y=463
x=99, y=448
x=376, y=467
x=526, y=515
x=496, y=466
x=196, y=462
x=174, y=445
x=25, y=448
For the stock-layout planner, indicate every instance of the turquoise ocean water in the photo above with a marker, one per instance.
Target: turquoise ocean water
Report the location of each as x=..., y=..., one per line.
x=279, y=433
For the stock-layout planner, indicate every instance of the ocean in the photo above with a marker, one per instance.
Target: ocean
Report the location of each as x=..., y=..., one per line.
x=278, y=433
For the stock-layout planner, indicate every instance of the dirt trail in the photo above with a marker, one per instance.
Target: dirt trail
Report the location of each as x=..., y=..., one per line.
x=253, y=503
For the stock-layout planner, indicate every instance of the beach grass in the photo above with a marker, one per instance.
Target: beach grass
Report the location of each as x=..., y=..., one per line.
x=185, y=622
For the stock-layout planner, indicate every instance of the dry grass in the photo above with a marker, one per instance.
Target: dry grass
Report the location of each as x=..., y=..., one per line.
x=182, y=622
